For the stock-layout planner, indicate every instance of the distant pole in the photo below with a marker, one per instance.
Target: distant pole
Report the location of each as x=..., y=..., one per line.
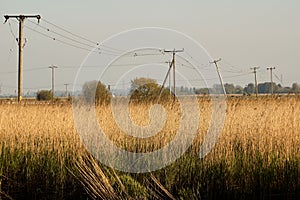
x=271, y=74
x=174, y=51
x=21, y=19
x=66, y=84
x=219, y=74
x=52, y=82
x=170, y=89
x=164, y=82
x=255, y=79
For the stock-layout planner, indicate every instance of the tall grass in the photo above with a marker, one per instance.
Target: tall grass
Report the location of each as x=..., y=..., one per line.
x=257, y=155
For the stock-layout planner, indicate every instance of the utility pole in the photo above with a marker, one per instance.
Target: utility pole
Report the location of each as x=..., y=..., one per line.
x=255, y=79
x=168, y=74
x=219, y=74
x=52, y=82
x=66, y=84
x=172, y=64
x=271, y=74
x=21, y=19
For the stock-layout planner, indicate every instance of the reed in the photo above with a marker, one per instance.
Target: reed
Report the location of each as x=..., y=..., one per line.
x=257, y=155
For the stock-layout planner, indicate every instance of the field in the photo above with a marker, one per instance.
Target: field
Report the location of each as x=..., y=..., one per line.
x=257, y=155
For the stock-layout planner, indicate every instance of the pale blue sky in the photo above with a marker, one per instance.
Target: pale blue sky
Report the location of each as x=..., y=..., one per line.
x=244, y=33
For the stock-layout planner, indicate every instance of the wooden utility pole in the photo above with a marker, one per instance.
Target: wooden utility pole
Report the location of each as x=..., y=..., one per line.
x=21, y=19
x=66, y=84
x=219, y=74
x=172, y=64
x=52, y=82
x=271, y=74
x=168, y=74
x=255, y=79
x=174, y=51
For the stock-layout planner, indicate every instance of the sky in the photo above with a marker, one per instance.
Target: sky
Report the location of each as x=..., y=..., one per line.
x=262, y=33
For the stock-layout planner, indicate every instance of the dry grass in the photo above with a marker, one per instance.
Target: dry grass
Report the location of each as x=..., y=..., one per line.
x=268, y=126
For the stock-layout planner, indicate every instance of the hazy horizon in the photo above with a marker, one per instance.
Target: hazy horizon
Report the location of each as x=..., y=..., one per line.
x=244, y=34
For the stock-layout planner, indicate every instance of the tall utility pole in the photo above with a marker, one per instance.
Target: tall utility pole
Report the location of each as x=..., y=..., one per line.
x=255, y=79
x=219, y=74
x=21, y=19
x=170, y=89
x=172, y=64
x=66, y=84
x=271, y=74
x=52, y=82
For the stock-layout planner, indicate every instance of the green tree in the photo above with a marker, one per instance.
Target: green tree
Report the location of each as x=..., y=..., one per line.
x=147, y=90
x=250, y=88
x=229, y=88
x=95, y=90
x=44, y=95
x=265, y=88
x=138, y=82
x=202, y=91
x=239, y=89
x=295, y=88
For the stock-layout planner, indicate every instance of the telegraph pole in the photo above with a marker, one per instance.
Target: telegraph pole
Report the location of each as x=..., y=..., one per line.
x=271, y=74
x=174, y=51
x=21, y=19
x=52, y=82
x=66, y=84
x=255, y=79
x=168, y=74
x=172, y=64
x=219, y=74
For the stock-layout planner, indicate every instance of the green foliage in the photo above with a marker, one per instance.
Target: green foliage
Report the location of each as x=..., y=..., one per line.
x=46, y=175
x=250, y=88
x=202, y=91
x=44, y=95
x=138, y=82
x=147, y=90
x=95, y=90
x=133, y=187
x=295, y=88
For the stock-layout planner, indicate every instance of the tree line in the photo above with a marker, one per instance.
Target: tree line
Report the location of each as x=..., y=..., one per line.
x=147, y=89
x=263, y=88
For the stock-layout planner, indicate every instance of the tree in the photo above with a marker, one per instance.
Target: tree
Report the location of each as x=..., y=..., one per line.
x=44, y=95
x=229, y=88
x=265, y=88
x=250, y=88
x=147, y=90
x=95, y=90
x=138, y=82
x=238, y=89
x=295, y=88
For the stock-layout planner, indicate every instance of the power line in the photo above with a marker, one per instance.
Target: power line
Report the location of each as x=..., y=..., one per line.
x=234, y=69
x=68, y=43
x=65, y=30
x=12, y=33
x=81, y=37
x=72, y=39
x=279, y=79
x=59, y=34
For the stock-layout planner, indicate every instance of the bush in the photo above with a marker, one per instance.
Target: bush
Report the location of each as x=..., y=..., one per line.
x=147, y=90
x=44, y=95
x=95, y=90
